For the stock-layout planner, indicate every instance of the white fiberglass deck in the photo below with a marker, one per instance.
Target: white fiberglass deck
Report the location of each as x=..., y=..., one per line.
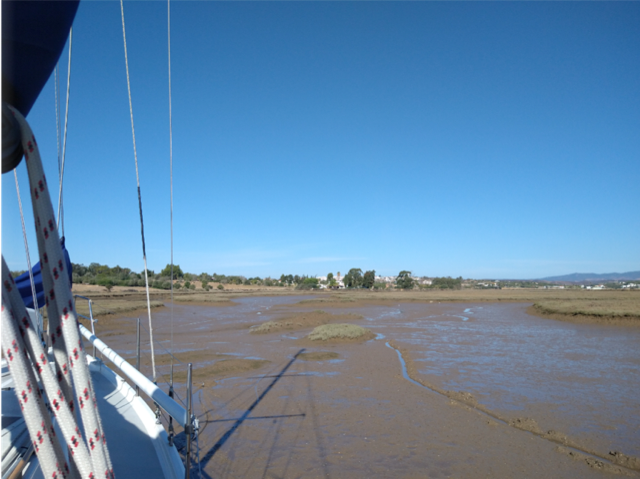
x=137, y=445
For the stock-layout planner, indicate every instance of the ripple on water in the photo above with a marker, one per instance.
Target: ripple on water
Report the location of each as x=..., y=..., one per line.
x=515, y=362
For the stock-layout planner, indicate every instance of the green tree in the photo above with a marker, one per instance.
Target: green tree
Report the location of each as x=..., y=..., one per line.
x=353, y=279
x=447, y=283
x=369, y=279
x=308, y=283
x=404, y=280
x=106, y=282
x=177, y=272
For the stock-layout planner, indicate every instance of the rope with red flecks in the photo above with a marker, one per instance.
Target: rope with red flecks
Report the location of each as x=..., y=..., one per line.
x=62, y=315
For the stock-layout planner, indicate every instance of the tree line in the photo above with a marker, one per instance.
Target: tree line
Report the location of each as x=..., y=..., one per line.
x=108, y=277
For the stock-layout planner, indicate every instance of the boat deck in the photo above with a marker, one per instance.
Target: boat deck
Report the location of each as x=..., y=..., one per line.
x=137, y=445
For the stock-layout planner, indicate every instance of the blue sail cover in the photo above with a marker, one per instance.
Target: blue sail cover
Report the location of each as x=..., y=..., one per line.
x=24, y=283
x=33, y=37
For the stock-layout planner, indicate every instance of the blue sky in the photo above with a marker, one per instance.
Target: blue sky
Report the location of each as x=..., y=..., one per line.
x=487, y=139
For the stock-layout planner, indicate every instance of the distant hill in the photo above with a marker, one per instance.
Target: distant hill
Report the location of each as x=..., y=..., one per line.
x=595, y=277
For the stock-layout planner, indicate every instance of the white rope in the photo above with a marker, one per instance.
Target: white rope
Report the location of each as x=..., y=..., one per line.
x=170, y=158
x=61, y=406
x=35, y=415
x=60, y=304
x=135, y=155
x=26, y=249
x=64, y=141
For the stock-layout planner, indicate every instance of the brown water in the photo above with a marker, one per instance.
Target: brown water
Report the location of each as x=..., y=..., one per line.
x=359, y=416
x=585, y=377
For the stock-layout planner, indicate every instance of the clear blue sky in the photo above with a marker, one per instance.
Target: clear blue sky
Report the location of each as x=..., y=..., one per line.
x=487, y=139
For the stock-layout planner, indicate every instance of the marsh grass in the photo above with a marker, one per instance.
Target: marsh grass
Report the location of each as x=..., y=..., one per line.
x=337, y=331
x=618, y=308
x=300, y=321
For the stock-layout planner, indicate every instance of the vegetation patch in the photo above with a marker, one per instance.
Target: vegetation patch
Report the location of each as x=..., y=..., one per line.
x=301, y=321
x=614, y=308
x=599, y=308
x=318, y=356
x=326, y=332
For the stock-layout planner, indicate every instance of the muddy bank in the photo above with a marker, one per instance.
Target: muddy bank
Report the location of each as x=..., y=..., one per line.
x=577, y=317
x=223, y=368
x=595, y=459
x=318, y=356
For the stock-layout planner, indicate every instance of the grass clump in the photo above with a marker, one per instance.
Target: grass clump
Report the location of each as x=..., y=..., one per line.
x=301, y=321
x=269, y=326
x=338, y=331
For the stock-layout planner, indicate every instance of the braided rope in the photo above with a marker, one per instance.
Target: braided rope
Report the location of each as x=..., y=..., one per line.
x=62, y=406
x=26, y=387
x=60, y=302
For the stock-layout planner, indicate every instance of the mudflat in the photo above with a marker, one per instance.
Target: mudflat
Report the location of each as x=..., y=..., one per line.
x=576, y=305
x=443, y=389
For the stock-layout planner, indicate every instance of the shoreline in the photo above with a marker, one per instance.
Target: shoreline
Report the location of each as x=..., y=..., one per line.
x=536, y=310
x=619, y=308
x=611, y=463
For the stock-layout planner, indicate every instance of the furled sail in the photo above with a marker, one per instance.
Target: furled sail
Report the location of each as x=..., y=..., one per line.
x=24, y=283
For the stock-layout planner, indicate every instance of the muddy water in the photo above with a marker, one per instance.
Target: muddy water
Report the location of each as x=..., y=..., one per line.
x=581, y=379
x=357, y=415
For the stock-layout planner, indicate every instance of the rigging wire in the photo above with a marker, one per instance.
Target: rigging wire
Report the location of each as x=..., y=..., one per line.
x=170, y=159
x=64, y=141
x=57, y=105
x=135, y=155
x=26, y=249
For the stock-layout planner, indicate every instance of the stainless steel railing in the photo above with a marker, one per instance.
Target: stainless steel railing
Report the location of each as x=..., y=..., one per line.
x=90, y=318
x=157, y=395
